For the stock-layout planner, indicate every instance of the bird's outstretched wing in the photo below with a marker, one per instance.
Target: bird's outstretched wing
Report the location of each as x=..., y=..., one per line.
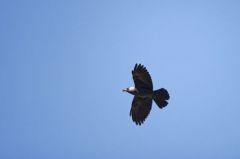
x=141, y=77
x=140, y=109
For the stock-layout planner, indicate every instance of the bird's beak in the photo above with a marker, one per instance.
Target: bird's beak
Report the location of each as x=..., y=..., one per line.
x=124, y=90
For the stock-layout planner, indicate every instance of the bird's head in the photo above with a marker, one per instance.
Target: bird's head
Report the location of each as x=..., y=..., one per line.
x=131, y=90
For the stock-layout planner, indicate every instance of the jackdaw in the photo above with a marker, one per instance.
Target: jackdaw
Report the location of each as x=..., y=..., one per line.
x=144, y=94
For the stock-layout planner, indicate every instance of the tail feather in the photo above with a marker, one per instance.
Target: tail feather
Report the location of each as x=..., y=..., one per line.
x=160, y=97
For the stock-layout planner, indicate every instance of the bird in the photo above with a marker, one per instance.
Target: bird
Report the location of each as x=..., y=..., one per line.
x=144, y=94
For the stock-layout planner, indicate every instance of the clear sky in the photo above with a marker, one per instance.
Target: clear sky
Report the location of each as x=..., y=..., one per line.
x=63, y=65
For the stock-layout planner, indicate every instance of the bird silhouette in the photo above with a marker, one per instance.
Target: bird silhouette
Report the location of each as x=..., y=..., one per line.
x=144, y=94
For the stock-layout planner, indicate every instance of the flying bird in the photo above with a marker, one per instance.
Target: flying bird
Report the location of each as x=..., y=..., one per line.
x=144, y=94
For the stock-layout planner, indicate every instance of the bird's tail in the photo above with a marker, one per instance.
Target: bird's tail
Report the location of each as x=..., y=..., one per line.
x=160, y=97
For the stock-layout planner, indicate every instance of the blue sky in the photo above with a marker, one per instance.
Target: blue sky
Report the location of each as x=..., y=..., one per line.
x=63, y=65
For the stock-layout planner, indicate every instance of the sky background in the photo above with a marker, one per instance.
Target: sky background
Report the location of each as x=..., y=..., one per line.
x=63, y=65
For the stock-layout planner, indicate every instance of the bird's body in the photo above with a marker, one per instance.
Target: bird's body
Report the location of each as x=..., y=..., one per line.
x=141, y=92
x=144, y=94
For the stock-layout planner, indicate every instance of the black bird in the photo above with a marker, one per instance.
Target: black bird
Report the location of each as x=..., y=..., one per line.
x=144, y=94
